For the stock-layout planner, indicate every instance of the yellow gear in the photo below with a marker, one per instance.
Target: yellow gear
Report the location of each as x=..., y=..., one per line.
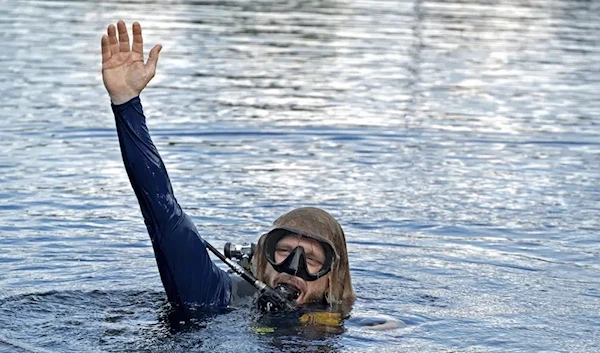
x=322, y=318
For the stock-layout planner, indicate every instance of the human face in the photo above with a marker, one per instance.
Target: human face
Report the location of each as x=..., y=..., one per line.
x=310, y=291
x=315, y=255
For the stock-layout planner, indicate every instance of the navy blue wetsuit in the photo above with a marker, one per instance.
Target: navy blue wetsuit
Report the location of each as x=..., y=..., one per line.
x=187, y=272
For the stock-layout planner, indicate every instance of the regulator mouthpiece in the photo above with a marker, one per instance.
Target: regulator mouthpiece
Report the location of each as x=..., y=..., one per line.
x=290, y=293
x=279, y=299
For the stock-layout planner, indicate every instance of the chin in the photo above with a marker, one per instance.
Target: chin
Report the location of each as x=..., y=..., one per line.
x=310, y=298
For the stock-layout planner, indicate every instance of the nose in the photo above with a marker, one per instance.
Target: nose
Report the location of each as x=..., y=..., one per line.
x=294, y=266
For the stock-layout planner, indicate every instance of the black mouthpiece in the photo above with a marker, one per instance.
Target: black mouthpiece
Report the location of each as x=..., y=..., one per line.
x=289, y=292
x=279, y=299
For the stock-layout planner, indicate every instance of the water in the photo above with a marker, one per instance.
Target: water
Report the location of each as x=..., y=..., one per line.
x=457, y=142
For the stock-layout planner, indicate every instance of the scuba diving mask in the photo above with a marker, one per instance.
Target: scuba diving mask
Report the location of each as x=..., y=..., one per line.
x=295, y=263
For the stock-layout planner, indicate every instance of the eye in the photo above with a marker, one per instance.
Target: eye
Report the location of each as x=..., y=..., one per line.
x=312, y=262
x=282, y=251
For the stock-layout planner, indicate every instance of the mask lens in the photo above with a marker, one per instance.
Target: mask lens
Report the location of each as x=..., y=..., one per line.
x=307, y=257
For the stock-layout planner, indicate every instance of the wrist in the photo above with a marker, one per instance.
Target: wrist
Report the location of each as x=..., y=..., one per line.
x=122, y=98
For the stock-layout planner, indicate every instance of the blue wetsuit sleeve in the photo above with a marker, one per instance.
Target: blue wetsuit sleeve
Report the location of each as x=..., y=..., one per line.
x=187, y=272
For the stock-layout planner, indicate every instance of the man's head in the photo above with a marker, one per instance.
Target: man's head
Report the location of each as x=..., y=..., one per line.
x=307, y=250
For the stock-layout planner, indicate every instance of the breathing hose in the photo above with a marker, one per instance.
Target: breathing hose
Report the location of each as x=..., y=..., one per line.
x=272, y=300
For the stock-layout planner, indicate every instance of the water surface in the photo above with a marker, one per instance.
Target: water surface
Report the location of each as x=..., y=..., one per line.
x=457, y=142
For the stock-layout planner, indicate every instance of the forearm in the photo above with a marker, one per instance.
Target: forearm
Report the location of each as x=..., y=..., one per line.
x=145, y=168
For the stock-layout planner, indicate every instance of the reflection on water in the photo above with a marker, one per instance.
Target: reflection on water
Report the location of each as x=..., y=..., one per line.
x=456, y=141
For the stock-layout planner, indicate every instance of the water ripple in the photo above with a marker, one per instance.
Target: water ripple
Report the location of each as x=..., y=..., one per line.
x=456, y=141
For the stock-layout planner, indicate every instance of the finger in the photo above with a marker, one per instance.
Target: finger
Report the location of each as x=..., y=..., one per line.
x=106, y=55
x=138, y=43
x=123, y=37
x=112, y=39
x=153, y=59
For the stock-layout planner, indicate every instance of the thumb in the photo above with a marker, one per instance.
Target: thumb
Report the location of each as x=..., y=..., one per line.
x=153, y=59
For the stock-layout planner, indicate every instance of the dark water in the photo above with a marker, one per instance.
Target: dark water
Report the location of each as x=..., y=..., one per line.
x=458, y=143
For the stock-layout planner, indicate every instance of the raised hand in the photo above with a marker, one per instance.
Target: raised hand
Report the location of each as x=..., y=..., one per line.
x=124, y=72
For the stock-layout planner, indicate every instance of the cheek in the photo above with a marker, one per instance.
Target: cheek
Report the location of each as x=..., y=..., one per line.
x=319, y=286
x=313, y=268
x=269, y=275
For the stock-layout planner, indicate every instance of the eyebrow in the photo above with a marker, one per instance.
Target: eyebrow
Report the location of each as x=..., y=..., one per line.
x=314, y=253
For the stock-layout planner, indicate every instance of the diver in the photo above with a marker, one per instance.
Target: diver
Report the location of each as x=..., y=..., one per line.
x=304, y=255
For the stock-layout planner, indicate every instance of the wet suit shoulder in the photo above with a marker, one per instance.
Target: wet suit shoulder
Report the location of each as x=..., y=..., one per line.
x=187, y=272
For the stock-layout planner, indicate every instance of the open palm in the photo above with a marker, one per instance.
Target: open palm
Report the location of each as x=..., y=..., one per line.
x=123, y=69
